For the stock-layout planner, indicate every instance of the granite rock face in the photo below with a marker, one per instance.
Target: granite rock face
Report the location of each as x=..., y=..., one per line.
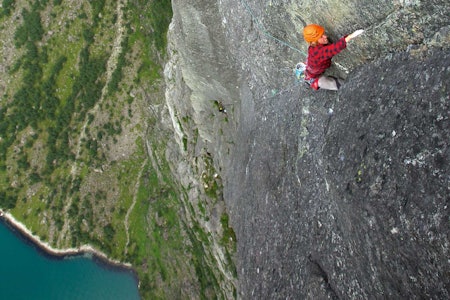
x=331, y=195
x=348, y=198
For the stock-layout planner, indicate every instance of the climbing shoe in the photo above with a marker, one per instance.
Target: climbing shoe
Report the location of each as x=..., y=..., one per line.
x=312, y=82
x=315, y=84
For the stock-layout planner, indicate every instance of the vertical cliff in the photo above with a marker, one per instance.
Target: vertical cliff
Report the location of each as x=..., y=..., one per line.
x=331, y=195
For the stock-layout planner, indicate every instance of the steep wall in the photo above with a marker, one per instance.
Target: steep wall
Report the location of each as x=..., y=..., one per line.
x=348, y=197
x=201, y=94
x=331, y=195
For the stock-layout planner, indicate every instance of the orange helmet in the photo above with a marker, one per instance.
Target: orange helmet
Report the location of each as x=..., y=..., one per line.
x=313, y=32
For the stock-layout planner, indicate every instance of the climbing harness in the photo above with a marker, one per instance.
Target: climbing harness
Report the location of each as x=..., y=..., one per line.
x=300, y=74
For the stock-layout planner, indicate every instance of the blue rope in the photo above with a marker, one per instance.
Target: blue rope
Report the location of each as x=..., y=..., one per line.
x=261, y=27
x=265, y=32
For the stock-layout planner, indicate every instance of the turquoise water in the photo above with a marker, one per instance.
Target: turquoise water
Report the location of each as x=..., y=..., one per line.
x=27, y=274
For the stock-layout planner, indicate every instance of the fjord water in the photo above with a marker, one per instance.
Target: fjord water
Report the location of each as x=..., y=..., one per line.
x=25, y=273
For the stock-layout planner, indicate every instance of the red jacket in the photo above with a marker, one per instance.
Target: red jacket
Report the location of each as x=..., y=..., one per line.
x=319, y=57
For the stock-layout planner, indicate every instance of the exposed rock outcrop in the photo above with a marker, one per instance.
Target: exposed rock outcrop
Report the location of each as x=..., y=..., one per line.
x=331, y=195
x=348, y=198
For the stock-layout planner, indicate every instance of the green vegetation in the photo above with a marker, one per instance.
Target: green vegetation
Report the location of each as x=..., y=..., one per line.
x=159, y=21
x=73, y=140
x=7, y=7
x=211, y=179
x=229, y=237
x=151, y=21
x=117, y=75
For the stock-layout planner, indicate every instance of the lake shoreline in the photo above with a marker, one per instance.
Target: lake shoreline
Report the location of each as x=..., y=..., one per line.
x=54, y=253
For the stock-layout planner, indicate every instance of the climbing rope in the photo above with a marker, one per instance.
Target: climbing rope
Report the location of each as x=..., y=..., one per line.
x=264, y=30
x=298, y=78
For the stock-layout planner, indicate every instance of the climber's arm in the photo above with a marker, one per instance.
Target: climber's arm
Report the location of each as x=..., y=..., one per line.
x=353, y=35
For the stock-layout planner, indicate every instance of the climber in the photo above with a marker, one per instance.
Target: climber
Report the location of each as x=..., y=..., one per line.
x=320, y=53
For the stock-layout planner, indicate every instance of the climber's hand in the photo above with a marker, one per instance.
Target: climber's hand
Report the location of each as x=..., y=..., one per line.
x=354, y=34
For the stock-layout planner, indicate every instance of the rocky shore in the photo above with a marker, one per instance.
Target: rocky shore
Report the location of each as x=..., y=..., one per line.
x=47, y=249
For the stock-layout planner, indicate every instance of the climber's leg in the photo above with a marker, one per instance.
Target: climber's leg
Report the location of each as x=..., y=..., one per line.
x=329, y=83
